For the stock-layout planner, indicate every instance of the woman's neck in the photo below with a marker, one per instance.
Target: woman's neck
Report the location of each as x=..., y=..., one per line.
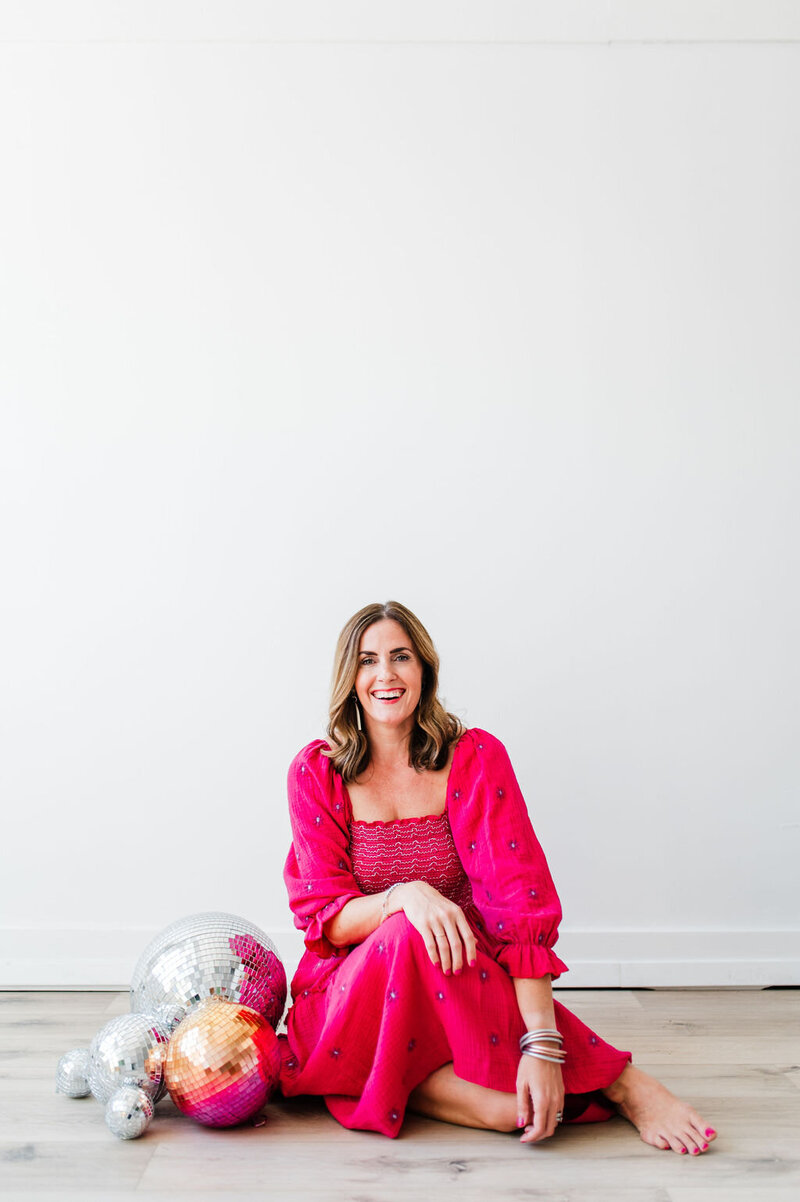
x=389, y=749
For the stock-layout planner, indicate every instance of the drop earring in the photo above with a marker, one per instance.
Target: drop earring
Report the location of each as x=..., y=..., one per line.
x=358, y=712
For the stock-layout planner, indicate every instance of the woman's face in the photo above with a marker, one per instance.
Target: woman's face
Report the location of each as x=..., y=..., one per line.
x=389, y=678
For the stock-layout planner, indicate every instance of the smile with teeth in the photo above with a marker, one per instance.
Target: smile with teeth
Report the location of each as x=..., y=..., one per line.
x=389, y=695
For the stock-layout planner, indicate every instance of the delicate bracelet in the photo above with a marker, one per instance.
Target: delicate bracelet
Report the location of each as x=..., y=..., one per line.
x=384, y=915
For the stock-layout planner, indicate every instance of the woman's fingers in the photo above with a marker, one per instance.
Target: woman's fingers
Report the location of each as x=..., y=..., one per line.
x=448, y=936
x=443, y=949
x=543, y=1125
x=456, y=945
x=543, y=1085
x=524, y=1107
x=468, y=938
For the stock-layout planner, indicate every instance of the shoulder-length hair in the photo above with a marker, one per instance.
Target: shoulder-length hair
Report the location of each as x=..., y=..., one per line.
x=435, y=729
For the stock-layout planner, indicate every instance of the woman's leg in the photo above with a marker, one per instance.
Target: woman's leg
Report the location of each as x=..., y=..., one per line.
x=446, y=1097
x=660, y=1118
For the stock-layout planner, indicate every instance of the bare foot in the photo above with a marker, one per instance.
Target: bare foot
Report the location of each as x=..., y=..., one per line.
x=660, y=1118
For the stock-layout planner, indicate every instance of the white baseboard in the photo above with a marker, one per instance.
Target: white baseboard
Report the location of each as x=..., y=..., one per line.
x=104, y=958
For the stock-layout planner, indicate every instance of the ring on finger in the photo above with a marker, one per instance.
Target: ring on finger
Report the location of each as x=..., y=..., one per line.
x=559, y=1116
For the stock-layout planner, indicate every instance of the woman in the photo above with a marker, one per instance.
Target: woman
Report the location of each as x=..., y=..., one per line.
x=430, y=917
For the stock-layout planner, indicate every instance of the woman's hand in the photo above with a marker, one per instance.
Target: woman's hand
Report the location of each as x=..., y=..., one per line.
x=441, y=923
x=540, y=1096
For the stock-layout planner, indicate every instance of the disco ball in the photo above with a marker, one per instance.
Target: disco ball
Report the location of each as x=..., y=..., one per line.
x=223, y=1063
x=129, y=1112
x=212, y=955
x=128, y=1050
x=72, y=1073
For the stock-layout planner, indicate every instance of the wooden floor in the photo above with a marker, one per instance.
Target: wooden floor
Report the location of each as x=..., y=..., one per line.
x=733, y=1053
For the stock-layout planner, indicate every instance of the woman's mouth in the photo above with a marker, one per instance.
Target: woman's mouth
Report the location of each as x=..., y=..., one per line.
x=388, y=696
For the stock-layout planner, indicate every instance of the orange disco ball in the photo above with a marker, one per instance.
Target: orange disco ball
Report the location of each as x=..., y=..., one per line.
x=222, y=1063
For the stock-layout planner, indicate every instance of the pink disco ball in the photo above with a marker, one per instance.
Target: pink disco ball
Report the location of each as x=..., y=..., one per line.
x=222, y=1063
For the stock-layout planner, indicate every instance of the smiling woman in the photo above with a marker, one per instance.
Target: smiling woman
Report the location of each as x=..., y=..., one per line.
x=430, y=919
x=398, y=654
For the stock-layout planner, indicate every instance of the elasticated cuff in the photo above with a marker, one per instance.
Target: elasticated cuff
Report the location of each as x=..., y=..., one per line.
x=314, y=936
x=530, y=960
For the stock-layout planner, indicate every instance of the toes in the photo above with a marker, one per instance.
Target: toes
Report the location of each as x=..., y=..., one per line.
x=677, y=1145
x=700, y=1135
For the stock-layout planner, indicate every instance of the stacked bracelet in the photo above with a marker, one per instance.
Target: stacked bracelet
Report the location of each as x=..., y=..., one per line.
x=539, y=1045
x=384, y=915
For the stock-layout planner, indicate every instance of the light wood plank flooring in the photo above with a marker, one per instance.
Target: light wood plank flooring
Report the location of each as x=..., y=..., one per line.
x=733, y=1053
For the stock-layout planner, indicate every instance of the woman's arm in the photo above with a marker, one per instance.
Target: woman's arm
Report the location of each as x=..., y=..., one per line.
x=540, y=1085
x=535, y=1001
x=447, y=934
x=356, y=920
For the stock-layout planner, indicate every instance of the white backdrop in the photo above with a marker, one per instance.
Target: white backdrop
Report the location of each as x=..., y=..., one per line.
x=491, y=315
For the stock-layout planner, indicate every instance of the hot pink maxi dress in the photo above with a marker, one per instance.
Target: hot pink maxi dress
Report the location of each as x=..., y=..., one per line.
x=368, y=1023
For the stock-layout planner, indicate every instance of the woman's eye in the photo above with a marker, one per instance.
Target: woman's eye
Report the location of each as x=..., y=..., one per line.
x=403, y=656
x=365, y=662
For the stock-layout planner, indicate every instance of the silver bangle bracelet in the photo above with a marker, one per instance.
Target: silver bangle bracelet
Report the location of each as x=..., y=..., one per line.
x=543, y=1056
x=391, y=888
x=541, y=1037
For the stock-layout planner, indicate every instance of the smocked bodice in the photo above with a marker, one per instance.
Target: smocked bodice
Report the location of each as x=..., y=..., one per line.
x=408, y=849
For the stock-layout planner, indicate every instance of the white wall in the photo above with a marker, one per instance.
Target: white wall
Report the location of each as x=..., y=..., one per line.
x=484, y=310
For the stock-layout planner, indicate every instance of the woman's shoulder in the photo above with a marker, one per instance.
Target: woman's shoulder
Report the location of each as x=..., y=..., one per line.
x=311, y=757
x=480, y=752
x=482, y=740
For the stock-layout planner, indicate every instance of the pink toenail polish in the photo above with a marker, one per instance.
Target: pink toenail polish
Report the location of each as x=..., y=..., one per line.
x=472, y=964
x=710, y=1131
x=682, y=1151
x=695, y=1151
x=705, y=1147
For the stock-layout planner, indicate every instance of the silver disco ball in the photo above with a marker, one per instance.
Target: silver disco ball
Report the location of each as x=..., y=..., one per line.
x=209, y=955
x=73, y=1072
x=128, y=1050
x=129, y=1112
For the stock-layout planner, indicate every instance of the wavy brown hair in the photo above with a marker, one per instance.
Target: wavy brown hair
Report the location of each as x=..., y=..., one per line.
x=435, y=729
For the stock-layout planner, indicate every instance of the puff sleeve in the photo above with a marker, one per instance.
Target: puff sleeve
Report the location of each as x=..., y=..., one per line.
x=511, y=882
x=318, y=871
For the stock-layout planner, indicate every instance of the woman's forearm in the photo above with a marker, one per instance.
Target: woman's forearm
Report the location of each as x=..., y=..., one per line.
x=535, y=1001
x=359, y=918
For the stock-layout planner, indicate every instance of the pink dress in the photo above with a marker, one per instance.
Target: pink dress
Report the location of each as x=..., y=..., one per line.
x=370, y=1022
